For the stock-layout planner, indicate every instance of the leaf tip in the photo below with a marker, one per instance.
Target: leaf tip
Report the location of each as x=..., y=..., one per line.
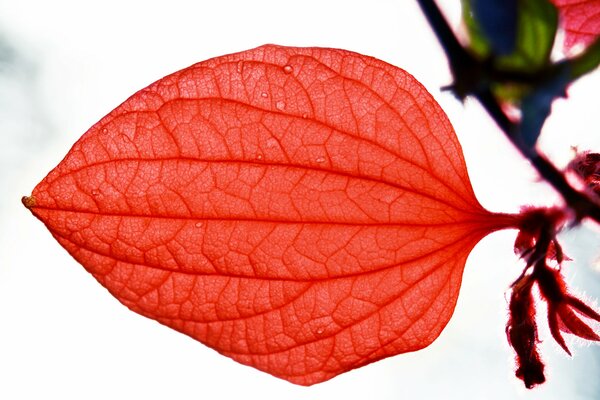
x=28, y=201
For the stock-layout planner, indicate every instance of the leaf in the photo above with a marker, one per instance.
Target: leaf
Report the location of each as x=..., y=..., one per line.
x=580, y=20
x=478, y=43
x=515, y=37
x=536, y=105
x=537, y=244
x=518, y=35
x=537, y=24
x=304, y=211
x=494, y=20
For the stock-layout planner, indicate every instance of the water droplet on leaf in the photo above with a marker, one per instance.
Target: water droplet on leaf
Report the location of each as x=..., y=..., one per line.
x=288, y=69
x=280, y=105
x=264, y=94
x=320, y=160
x=198, y=224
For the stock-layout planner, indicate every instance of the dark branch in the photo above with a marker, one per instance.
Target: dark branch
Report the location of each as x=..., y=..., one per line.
x=445, y=35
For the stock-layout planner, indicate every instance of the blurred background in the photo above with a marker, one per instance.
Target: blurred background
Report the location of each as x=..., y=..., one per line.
x=64, y=64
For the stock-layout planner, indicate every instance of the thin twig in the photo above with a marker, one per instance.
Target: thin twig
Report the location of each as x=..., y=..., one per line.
x=462, y=64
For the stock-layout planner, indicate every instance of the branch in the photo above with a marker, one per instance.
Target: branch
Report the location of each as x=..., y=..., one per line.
x=470, y=79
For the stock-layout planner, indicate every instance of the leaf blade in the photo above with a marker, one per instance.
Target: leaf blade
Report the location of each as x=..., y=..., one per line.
x=303, y=211
x=580, y=20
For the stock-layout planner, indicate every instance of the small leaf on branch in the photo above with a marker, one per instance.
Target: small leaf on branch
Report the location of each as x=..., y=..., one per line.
x=537, y=244
x=516, y=35
x=537, y=104
x=495, y=20
x=530, y=26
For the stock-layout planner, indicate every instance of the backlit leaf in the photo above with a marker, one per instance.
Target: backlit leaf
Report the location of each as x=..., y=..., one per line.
x=580, y=20
x=304, y=211
x=495, y=20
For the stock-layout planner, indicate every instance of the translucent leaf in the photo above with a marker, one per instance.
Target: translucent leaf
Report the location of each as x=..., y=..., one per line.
x=304, y=211
x=580, y=19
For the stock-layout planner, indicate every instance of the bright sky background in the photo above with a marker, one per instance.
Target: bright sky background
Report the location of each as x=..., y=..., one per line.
x=65, y=64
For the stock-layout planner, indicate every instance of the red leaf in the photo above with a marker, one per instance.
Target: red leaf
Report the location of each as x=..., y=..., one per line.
x=304, y=211
x=580, y=20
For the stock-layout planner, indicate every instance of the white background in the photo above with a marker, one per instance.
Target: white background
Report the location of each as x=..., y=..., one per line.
x=64, y=64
